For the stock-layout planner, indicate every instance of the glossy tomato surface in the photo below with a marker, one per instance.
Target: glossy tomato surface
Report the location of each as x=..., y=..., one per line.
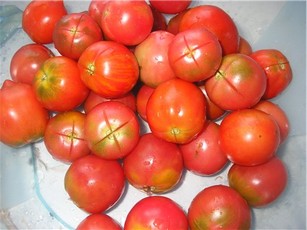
x=142, y=98
x=95, y=9
x=98, y=221
x=170, y=6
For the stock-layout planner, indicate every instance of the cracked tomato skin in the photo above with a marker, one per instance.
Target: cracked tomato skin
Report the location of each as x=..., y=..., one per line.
x=112, y=130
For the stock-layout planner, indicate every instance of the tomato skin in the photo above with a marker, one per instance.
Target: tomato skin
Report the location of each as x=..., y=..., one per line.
x=176, y=117
x=64, y=136
x=91, y=186
x=277, y=68
x=170, y=6
x=57, y=81
x=159, y=20
x=27, y=60
x=244, y=47
x=259, y=185
x=74, y=32
x=39, y=19
x=249, y=137
x=98, y=221
x=219, y=207
x=108, y=68
x=18, y=127
x=95, y=9
x=156, y=212
x=142, y=98
x=174, y=22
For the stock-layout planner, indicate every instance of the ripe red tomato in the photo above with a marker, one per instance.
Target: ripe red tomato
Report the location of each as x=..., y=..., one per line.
x=57, y=84
x=94, y=184
x=170, y=6
x=156, y=212
x=259, y=185
x=119, y=20
x=219, y=207
x=238, y=84
x=249, y=137
x=112, y=130
x=217, y=21
x=195, y=54
x=27, y=60
x=74, y=32
x=203, y=155
x=21, y=121
x=95, y=9
x=176, y=111
x=277, y=68
x=142, y=98
x=108, y=68
x=244, y=47
x=64, y=136
x=159, y=20
x=174, y=22
x=98, y=221
x=39, y=19
x=154, y=165
x=153, y=59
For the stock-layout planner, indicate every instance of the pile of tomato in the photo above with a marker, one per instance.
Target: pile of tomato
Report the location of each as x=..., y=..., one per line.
x=132, y=98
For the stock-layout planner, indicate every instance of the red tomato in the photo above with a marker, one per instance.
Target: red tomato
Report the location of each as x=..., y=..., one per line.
x=142, y=98
x=249, y=137
x=217, y=21
x=153, y=59
x=95, y=9
x=259, y=185
x=58, y=86
x=154, y=165
x=112, y=130
x=195, y=54
x=119, y=20
x=277, y=68
x=176, y=111
x=109, y=69
x=23, y=120
x=219, y=207
x=73, y=33
x=39, y=19
x=174, y=22
x=238, y=84
x=87, y=182
x=98, y=221
x=203, y=155
x=170, y=6
x=279, y=115
x=64, y=136
x=244, y=47
x=27, y=60
x=159, y=20
x=156, y=212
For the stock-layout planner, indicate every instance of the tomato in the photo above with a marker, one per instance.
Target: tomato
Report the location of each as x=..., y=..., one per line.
x=277, y=68
x=95, y=9
x=154, y=165
x=203, y=155
x=142, y=98
x=170, y=6
x=112, y=130
x=195, y=54
x=153, y=59
x=238, y=84
x=156, y=212
x=176, y=111
x=58, y=86
x=219, y=207
x=39, y=19
x=98, y=221
x=64, y=136
x=27, y=60
x=249, y=137
x=259, y=185
x=23, y=120
x=244, y=47
x=94, y=184
x=217, y=21
x=174, y=22
x=119, y=20
x=159, y=20
x=74, y=32
x=108, y=68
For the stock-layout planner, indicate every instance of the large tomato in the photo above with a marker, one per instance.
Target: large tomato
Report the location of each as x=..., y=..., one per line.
x=94, y=184
x=58, y=86
x=108, y=68
x=98, y=221
x=23, y=120
x=170, y=6
x=73, y=33
x=176, y=111
x=39, y=19
x=27, y=60
x=156, y=212
x=259, y=185
x=249, y=137
x=219, y=207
